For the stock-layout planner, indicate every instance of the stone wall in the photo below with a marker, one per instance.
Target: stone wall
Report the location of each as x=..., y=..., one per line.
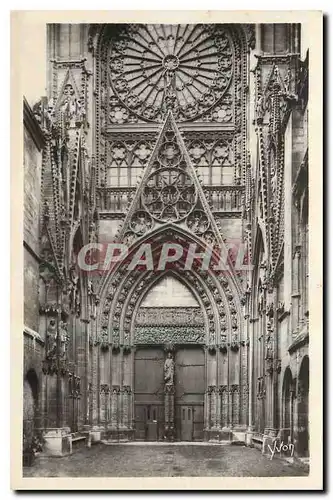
x=33, y=143
x=31, y=278
x=32, y=184
x=33, y=416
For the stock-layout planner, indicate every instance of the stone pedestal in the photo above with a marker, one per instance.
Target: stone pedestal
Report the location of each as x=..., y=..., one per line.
x=248, y=436
x=58, y=442
x=96, y=434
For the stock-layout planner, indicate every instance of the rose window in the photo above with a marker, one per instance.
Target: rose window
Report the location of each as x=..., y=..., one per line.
x=185, y=68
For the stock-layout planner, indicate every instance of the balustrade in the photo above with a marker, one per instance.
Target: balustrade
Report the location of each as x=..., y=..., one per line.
x=221, y=198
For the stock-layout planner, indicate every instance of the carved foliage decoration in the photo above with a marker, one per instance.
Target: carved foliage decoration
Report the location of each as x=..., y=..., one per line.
x=164, y=334
x=169, y=316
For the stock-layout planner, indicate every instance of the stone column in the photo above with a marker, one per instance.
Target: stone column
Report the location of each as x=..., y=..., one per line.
x=115, y=406
x=235, y=404
x=105, y=391
x=126, y=419
x=82, y=367
x=210, y=406
x=296, y=290
x=252, y=384
x=223, y=390
x=132, y=377
x=127, y=366
x=213, y=405
x=211, y=366
x=292, y=403
x=218, y=409
x=95, y=385
x=126, y=406
x=169, y=406
x=211, y=389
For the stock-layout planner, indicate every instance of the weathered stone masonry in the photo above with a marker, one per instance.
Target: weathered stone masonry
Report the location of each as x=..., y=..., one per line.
x=146, y=135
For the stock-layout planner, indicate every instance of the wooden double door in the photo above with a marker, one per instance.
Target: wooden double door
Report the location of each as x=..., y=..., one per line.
x=188, y=397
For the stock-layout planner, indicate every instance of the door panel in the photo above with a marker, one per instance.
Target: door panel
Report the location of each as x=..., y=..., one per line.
x=140, y=422
x=186, y=423
x=149, y=394
x=190, y=388
x=189, y=393
x=198, y=422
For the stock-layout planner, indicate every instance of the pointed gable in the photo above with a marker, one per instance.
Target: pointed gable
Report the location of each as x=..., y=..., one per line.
x=169, y=192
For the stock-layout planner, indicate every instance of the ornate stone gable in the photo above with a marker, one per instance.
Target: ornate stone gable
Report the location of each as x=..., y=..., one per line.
x=170, y=192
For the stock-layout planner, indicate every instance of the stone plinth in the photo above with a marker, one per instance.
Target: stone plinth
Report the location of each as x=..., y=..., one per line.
x=58, y=442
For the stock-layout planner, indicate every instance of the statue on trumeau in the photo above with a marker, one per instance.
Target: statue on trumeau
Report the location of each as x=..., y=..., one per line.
x=169, y=370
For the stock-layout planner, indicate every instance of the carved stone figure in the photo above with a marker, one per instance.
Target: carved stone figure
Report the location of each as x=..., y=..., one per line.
x=71, y=107
x=72, y=287
x=52, y=338
x=77, y=386
x=90, y=287
x=269, y=349
x=63, y=337
x=141, y=222
x=169, y=370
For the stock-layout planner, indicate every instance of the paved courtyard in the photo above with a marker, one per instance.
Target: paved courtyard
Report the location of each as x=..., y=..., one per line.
x=142, y=460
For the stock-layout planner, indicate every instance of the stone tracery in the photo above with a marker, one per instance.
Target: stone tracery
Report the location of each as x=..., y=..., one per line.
x=185, y=68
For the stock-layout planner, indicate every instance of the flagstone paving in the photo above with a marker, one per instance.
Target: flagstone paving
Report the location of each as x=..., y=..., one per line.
x=131, y=460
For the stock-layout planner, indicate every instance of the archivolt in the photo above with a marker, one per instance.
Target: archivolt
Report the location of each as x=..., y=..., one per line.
x=123, y=291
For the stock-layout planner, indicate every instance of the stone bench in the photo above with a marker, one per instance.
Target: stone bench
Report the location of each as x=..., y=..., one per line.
x=257, y=442
x=79, y=442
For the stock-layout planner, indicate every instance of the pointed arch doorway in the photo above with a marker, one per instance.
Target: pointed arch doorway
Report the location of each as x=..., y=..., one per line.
x=169, y=325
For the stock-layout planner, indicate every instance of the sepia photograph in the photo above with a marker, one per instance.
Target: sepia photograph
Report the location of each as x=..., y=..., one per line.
x=166, y=272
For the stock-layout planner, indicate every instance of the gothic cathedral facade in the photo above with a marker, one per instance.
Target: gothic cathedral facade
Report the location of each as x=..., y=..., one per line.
x=190, y=136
